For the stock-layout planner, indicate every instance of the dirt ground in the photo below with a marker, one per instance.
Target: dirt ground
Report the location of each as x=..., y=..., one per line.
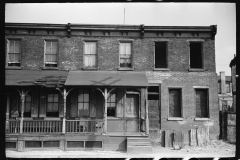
x=214, y=149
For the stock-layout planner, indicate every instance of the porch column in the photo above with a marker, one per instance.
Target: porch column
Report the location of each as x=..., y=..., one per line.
x=105, y=111
x=7, y=113
x=147, y=120
x=64, y=111
x=23, y=94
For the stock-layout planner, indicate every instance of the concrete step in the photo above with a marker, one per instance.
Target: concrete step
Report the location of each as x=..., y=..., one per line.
x=139, y=144
x=139, y=149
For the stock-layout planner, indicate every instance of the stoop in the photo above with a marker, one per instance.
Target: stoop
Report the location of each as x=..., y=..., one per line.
x=139, y=145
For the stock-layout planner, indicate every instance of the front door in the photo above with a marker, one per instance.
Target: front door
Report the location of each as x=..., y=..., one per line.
x=132, y=112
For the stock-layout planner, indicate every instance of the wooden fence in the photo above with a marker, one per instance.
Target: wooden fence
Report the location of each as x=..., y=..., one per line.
x=228, y=126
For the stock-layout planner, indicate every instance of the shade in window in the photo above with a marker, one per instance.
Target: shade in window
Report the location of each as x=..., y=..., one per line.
x=14, y=52
x=83, y=103
x=125, y=55
x=175, y=103
x=90, y=54
x=51, y=53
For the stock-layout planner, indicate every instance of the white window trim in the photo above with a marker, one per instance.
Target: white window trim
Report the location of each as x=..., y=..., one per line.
x=131, y=55
x=45, y=40
x=8, y=47
x=84, y=49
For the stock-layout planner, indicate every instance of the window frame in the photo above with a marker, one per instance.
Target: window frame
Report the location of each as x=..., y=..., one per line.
x=53, y=92
x=8, y=51
x=167, y=55
x=83, y=102
x=181, y=103
x=202, y=55
x=96, y=54
x=130, y=41
x=195, y=104
x=57, y=53
x=109, y=98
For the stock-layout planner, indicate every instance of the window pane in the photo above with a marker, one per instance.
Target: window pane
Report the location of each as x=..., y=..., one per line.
x=86, y=109
x=11, y=46
x=87, y=60
x=17, y=46
x=113, y=97
x=28, y=98
x=55, y=107
x=80, y=109
x=86, y=95
x=16, y=57
x=128, y=48
x=27, y=107
x=122, y=48
x=92, y=60
x=49, y=107
x=55, y=97
x=48, y=58
x=54, y=47
x=48, y=47
x=113, y=104
x=80, y=97
x=50, y=97
x=53, y=58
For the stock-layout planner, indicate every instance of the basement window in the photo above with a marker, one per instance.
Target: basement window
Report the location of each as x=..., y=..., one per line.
x=75, y=144
x=175, y=107
x=11, y=145
x=93, y=144
x=196, y=60
x=49, y=144
x=201, y=97
x=33, y=144
x=160, y=60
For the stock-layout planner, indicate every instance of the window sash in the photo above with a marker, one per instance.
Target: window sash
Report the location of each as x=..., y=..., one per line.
x=14, y=57
x=51, y=52
x=90, y=60
x=125, y=49
x=90, y=48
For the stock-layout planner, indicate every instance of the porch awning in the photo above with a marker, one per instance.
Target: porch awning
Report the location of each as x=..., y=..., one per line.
x=29, y=77
x=106, y=78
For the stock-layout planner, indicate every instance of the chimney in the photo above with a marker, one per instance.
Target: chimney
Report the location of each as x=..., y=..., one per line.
x=222, y=81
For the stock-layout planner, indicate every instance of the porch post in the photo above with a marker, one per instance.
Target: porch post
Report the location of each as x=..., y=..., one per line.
x=7, y=113
x=105, y=111
x=23, y=94
x=64, y=110
x=147, y=121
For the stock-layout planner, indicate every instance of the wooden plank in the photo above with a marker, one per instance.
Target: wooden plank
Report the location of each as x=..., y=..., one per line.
x=169, y=138
x=120, y=99
x=193, y=137
x=202, y=136
x=178, y=139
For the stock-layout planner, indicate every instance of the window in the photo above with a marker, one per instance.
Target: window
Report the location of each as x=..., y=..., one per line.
x=153, y=93
x=83, y=103
x=90, y=54
x=52, y=104
x=27, y=109
x=111, y=105
x=14, y=53
x=125, y=55
x=227, y=85
x=196, y=55
x=160, y=55
x=201, y=103
x=51, y=53
x=175, y=103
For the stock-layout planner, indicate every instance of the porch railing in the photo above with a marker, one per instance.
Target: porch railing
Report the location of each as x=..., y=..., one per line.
x=84, y=126
x=12, y=126
x=42, y=126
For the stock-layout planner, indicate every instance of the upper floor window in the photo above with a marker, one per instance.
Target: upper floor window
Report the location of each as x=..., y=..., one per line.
x=51, y=53
x=196, y=60
x=125, y=55
x=90, y=54
x=14, y=54
x=160, y=60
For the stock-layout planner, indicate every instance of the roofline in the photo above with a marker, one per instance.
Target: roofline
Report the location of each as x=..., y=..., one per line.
x=75, y=26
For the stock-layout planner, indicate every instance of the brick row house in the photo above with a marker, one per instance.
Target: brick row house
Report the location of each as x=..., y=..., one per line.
x=107, y=87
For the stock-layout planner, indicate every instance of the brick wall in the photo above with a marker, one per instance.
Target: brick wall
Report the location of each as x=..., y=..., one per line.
x=71, y=53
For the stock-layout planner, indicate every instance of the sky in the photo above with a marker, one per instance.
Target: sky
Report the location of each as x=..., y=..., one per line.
x=150, y=14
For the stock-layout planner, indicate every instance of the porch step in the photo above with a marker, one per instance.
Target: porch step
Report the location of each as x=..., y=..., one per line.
x=139, y=145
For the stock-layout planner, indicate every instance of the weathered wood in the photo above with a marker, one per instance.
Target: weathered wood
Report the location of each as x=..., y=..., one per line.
x=193, y=137
x=120, y=100
x=92, y=104
x=43, y=103
x=105, y=111
x=202, y=136
x=34, y=108
x=178, y=141
x=7, y=113
x=169, y=136
x=147, y=120
x=20, y=146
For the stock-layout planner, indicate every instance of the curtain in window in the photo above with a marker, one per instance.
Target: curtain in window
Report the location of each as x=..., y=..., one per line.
x=14, y=51
x=83, y=102
x=51, y=51
x=125, y=54
x=90, y=54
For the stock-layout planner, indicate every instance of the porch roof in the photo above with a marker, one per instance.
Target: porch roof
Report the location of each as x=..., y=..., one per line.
x=30, y=77
x=106, y=78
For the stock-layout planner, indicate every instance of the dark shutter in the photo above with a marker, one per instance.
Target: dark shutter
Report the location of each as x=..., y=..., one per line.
x=61, y=104
x=43, y=103
x=120, y=101
x=15, y=98
x=34, y=109
x=74, y=104
x=92, y=104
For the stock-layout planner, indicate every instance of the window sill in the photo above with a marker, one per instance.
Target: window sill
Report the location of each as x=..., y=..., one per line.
x=13, y=68
x=125, y=69
x=196, y=70
x=90, y=68
x=175, y=119
x=49, y=68
x=161, y=69
x=201, y=119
